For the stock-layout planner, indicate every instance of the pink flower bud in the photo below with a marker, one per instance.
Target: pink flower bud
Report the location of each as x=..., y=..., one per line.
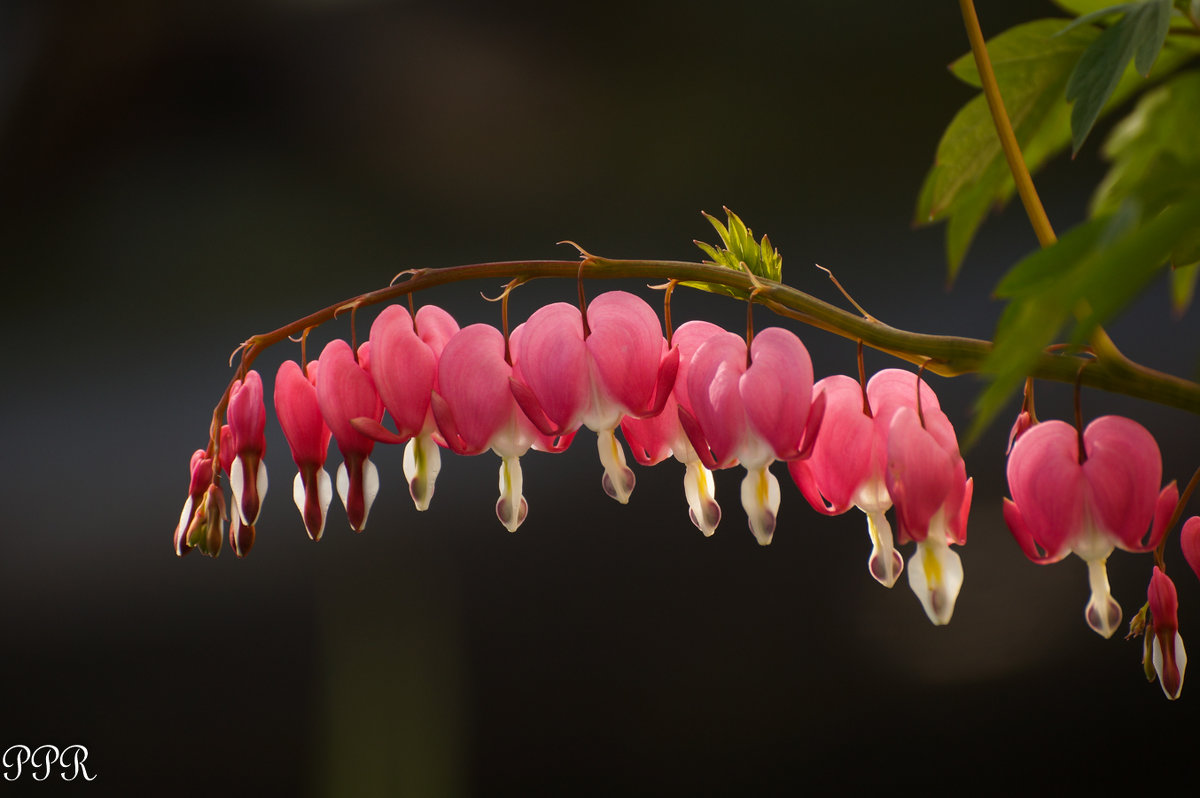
x=1169, y=656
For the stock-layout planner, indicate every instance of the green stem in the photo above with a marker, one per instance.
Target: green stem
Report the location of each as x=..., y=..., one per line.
x=1004, y=129
x=1103, y=345
x=945, y=355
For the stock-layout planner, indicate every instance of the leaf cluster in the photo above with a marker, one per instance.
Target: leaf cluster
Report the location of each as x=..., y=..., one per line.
x=1057, y=78
x=738, y=250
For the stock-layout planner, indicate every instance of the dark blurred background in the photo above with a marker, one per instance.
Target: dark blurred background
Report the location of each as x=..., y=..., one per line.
x=175, y=176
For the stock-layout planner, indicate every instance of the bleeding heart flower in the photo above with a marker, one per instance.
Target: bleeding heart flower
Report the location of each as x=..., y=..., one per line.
x=566, y=377
x=201, y=475
x=655, y=438
x=928, y=484
x=403, y=365
x=752, y=410
x=476, y=411
x=247, y=417
x=848, y=465
x=308, y=437
x=345, y=392
x=1065, y=501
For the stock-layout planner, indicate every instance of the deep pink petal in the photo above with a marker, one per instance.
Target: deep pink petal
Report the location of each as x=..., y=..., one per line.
x=1020, y=532
x=1189, y=541
x=1124, y=471
x=1163, y=510
x=247, y=415
x=1046, y=482
x=653, y=439
x=777, y=390
x=299, y=414
x=403, y=368
x=345, y=391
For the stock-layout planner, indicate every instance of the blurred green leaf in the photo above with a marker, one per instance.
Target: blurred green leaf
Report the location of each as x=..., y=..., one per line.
x=1137, y=36
x=1183, y=286
x=1155, y=158
x=1092, y=272
x=970, y=174
x=1032, y=64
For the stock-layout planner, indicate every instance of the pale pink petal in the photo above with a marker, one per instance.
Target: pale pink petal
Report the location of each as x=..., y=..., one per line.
x=473, y=380
x=777, y=390
x=841, y=458
x=435, y=327
x=713, y=387
x=625, y=345
x=920, y=475
x=549, y=356
x=1046, y=482
x=1123, y=469
x=687, y=339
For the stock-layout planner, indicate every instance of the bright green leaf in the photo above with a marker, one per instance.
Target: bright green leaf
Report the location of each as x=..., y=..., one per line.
x=738, y=250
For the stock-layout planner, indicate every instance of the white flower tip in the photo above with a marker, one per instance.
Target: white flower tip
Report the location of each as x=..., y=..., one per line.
x=760, y=499
x=935, y=575
x=885, y=563
x=1102, y=612
x=1172, y=685
x=511, y=508
x=314, y=514
x=885, y=574
x=422, y=463
x=618, y=479
x=702, y=506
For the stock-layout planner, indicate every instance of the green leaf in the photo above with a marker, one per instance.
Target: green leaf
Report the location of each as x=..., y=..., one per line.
x=970, y=175
x=739, y=251
x=1092, y=272
x=1137, y=36
x=1119, y=271
x=1183, y=286
x=1154, y=150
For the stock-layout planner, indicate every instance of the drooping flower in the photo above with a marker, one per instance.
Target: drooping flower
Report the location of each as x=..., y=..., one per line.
x=308, y=436
x=1064, y=501
x=848, y=465
x=1189, y=541
x=195, y=507
x=927, y=481
x=403, y=365
x=655, y=438
x=476, y=411
x=566, y=377
x=753, y=410
x=1167, y=654
x=247, y=417
x=241, y=534
x=345, y=391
